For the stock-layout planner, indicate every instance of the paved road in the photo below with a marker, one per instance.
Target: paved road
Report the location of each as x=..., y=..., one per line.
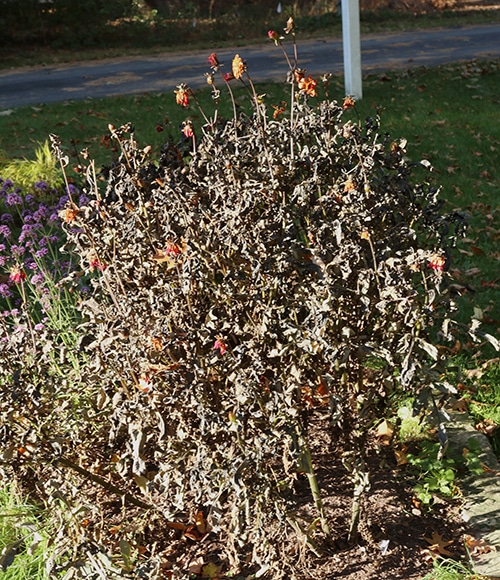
x=163, y=73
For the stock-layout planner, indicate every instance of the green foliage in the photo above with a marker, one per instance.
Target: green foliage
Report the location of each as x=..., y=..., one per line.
x=447, y=569
x=26, y=172
x=482, y=393
x=31, y=21
x=436, y=474
x=23, y=541
x=411, y=428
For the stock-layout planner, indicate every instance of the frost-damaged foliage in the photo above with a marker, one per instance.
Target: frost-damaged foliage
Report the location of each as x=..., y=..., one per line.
x=260, y=274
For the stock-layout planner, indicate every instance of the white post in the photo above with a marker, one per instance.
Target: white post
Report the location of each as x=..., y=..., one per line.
x=352, y=48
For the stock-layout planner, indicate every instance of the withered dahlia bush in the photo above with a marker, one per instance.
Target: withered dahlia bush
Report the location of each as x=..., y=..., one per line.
x=267, y=274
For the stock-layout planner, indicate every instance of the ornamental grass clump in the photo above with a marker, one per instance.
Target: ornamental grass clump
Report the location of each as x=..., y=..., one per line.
x=270, y=281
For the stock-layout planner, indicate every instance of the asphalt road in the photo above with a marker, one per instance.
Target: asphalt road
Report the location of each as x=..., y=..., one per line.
x=162, y=73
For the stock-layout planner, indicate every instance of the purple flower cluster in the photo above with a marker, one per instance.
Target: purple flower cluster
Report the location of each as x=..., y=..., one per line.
x=30, y=238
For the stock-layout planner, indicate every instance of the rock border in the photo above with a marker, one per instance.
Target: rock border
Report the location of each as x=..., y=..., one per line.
x=481, y=509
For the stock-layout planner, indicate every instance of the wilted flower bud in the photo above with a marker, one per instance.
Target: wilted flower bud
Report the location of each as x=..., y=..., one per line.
x=290, y=25
x=213, y=61
x=182, y=95
x=273, y=35
x=187, y=129
x=348, y=103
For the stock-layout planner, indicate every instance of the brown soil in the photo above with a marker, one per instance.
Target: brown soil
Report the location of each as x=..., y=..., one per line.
x=389, y=514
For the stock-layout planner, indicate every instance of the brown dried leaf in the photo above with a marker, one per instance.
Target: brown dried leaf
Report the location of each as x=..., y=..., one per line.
x=461, y=406
x=438, y=545
x=400, y=455
x=384, y=432
x=488, y=426
x=476, y=546
x=196, y=565
x=201, y=524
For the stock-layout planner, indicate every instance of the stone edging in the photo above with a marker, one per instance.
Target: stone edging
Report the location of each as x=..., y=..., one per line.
x=481, y=509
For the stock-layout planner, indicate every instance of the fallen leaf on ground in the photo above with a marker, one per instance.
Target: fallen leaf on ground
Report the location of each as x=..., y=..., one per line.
x=476, y=546
x=438, y=545
x=196, y=565
x=487, y=426
x=474, y=373
x=461, y=406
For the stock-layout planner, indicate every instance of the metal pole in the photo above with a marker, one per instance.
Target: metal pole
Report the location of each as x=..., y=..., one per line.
x=352, y=48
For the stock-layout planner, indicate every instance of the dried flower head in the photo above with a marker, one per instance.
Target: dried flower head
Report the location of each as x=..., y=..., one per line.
x=349, y=185
x=279, y=109
x=437, y=263
x=290, y=25
x=298, y=74
x=187, y=129
x=307, y=86
x=182, y=95
x=273, y=35
x=95, y=263
x=68, y=215
x=239, y=67
x=17, y=274
x=213, y=61
x=220, y=345
x=348, y=103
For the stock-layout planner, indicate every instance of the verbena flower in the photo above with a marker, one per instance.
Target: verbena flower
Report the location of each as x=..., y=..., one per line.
x=42, y=186
x=17, y=251
x=13, y=199
x=5, y=231
x=6, y=185
x=37, y=279
x=5, y=291
x=41, y=252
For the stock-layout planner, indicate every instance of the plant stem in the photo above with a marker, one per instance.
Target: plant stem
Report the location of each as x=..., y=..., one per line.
x=307, y=466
